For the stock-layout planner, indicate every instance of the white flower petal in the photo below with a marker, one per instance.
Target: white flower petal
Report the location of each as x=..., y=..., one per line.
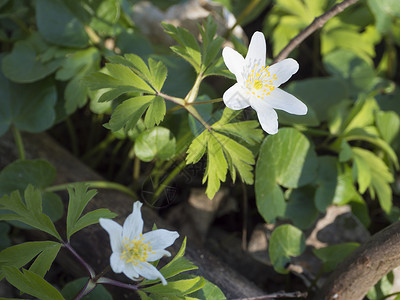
x=117, y=264
x=234, y=98
x=156, y=255
x=131, y=271
x=267, y=116
x=114, y=231
x=279, y=99
x=160, y=238
x=148, y=271
x=234, y=61
x=257, y=49
x=133, y=225
x=284, y=70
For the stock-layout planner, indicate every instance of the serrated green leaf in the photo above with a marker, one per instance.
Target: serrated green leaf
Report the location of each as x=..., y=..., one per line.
x=380, y=176
x=32, y=284
x=197, y=148
x=331, y=256
x=211, y=45
x=285, y=241
x=127, y=114
x=249, y=131
x=177, y=288
x=79, y=197
x=155, y=113
x=216, y=167
x=127, y=77
x=155, y=143
x=29, y=213
x=239, y=157
x=21, y=254
x=44, y=260
x=189, y=49
x=158, y=73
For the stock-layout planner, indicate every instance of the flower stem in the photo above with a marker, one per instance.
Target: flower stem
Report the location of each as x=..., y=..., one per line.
x=208, y=101
x=96, y=184
x=104, y=280
x=88, y=268
x=192, y=95
x=18, y=142
x=176, y=100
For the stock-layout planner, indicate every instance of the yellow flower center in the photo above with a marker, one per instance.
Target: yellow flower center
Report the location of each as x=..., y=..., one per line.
x=260, y=81
x=135, y=251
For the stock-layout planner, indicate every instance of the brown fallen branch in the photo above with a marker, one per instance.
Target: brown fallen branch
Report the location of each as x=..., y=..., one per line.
x=278, y=295
x=316, y=24
x=360, y=271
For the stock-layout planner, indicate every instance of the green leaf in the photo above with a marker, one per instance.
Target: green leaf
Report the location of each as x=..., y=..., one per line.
x=269, y=199
x=310, y=91
x=209, y=291
x=331, y=256
x=286, y=241
x=20, y=173
x=380, y=178
x=91, y=218
x=32, y=284
x=127, y=114
x=5, y=240
x=24, y=63
x=197, y=148
x=158, y=73
x=155, y=143
x=58, y=24
x=211, y=44
x=177, y=288
x=74, y=68
x=72, y=288
x=385, y=11
x=21, y=254
x=246, y=130
x=216, y=166
x=239, y=158
x=29, y=212
x=155, y=113
x=79, y=197
x=300, y=208
x=44, y=261
x=28, y=107
x=352, y=68
x=289, y=157
x=388, y=124
x=126, y=77
x=189, y=49
x=382, y=288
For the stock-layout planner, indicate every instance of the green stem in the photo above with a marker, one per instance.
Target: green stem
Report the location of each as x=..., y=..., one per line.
x=99, y=147
x=390, y=295
x=96, y=184
x=18, y=142
x=195, y=113
x=192, y=95
x=167, y=180
x=176, y=100
x=208, y=101
x=73, y=137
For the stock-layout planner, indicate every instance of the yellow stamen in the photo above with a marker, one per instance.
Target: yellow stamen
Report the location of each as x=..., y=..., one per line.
x=135, y=251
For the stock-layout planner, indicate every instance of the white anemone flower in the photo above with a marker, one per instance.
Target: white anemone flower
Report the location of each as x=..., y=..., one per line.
x=132, y=251
x=258, y=85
